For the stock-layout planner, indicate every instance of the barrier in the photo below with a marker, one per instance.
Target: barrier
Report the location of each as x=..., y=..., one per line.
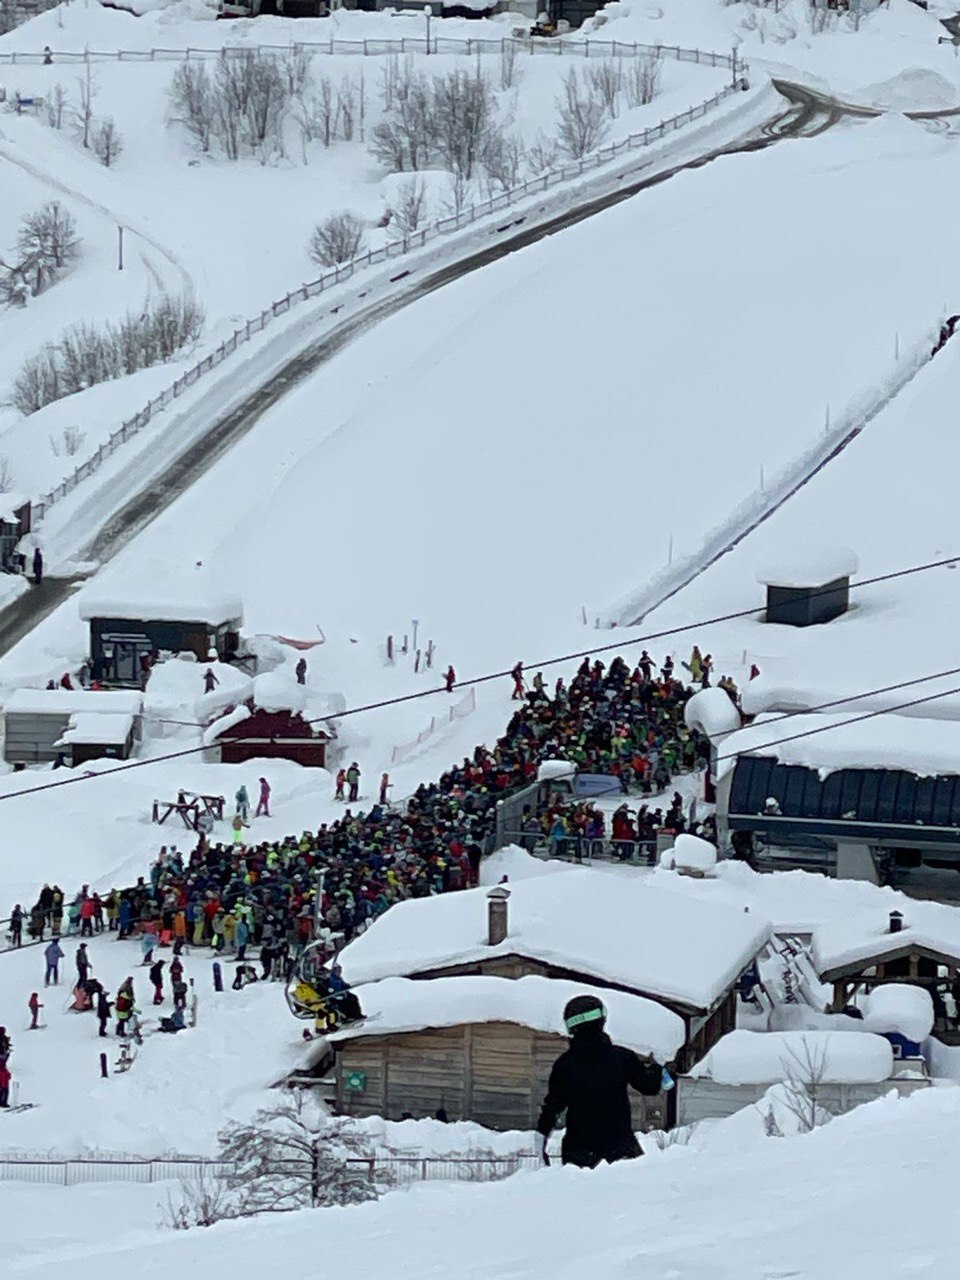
x=459, y=710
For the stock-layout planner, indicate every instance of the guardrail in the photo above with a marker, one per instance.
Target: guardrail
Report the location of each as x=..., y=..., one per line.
x=641, y=853
x=373, y=257
x=395, y=1170
x=382, y=48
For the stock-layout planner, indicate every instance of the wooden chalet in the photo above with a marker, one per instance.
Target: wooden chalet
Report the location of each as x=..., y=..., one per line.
x=861, y=955
x=15, y=523
x=278, y=721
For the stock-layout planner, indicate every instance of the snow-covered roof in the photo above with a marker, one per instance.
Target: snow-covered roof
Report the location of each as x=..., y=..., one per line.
x=185, y=605
x=68, y=702
x=10, y=504
x=900, y=1007
x=764, y=1057
x=96, y=727
x=827, y=742
x=403, y=1004
x=808, y=567
x=213, y=731
x=863, y=936
x=279, y=691
x=652, y=938
x=712, y=712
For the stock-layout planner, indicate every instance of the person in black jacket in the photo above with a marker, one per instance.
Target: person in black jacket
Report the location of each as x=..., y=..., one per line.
x=590, y=1082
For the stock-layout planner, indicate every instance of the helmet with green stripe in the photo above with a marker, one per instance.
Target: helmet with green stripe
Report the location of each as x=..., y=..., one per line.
x=583, y=1011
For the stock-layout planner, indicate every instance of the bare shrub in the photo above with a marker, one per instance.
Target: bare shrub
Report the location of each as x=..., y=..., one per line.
x=508, y=63
x=348, y=102
x=804, y=1075
x=192, y=103
x=68, y=443
x=47, y=243
x=606, y=79
x=410, y=206
x=642, y=80
x=204, y=1200
x=463, y=113
x=404, y=137
x=582, y=123
x=84, y=112
x=6, y=474
x=107, y=142
x=57, y=103
x=543, y=154
x=503, y=157
x=337, y=239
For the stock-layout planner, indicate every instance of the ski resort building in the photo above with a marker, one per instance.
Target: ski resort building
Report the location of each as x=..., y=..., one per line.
x=279, y=720
x=813, y=590
x=15, y=522
x=126, y=630
x=667, y=952
x=78, y=724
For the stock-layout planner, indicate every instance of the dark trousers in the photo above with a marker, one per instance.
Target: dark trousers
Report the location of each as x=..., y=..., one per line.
x=103, y=1024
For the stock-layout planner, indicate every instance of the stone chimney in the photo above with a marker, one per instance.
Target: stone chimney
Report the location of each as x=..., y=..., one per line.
x=896, y=921
x=497, y=915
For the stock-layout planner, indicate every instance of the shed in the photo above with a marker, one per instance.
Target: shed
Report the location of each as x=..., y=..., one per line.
x=853, y=1067
x=813, y=587
x=260, y=734
x=15, y=523
x=872, y=949
x=93, y=735
x=669, y=946
x=37, y=720
x=481, y=1048
x=125, y=629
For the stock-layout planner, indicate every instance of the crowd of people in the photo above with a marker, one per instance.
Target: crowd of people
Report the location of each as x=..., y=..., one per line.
x=617, y=720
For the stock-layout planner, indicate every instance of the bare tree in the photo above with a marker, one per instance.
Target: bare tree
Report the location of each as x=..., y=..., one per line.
x=6, y=474
x=47, y=243
x=606, y=79
x=643, y=80
x=337, y=239
x=348, y=100
x=508, y=63
x=204, y=1200
x=107, y=141
x=56, y=106
x=542, y=154
x=84, y=113
x=404, y=137
x=464, y=115
x=410, y=205
x=804, y=1072
x=582, y=124
x=192, y=103
x=69, y=443
x=295, y=67
x=503, y=156
x=327, y=110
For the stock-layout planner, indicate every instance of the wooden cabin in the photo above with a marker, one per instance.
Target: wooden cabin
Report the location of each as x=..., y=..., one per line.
x=481, y=1049
x=94, y=735
x=124, y=631
x=282, y=735
x=857, y=957
x=36, y=722
x=15, y=523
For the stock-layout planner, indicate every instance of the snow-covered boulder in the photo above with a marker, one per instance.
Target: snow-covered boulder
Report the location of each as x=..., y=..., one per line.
x=711, y=711
x=690, y=854
x=902, y=1008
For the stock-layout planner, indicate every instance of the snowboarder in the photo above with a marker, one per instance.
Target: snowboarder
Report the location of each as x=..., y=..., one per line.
x=450, y=678
x=263, y=804
x=83, y=964
x=353, y=781
x=301, y=670
x=210, y=680
x=384, y=787
x=37, y=567
x=176, y=1022
x=52, y=954
x=517, y=674
x=34, y=1005
x=156, y=977
x=341, y=783
x=103, y=1011
x=590, y=1081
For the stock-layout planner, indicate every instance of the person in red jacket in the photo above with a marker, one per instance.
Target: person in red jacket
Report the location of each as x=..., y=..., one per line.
x=4, y=1083
x=34, y=1005
x=341, y=783
x=450, y=678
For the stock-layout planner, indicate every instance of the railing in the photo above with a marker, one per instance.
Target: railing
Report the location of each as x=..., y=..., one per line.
x=457, y=711
x=6, y=942
x=383, y=48
x=641, y=853
x=394, y=1170
x=373, y=257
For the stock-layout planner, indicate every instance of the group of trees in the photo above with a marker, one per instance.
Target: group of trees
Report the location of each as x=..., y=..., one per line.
x=85, y=355
x=47, y=243
x=95, y=133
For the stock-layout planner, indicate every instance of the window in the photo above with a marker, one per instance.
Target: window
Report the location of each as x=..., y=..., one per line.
x=923, y=800
x=887, y=796
x=869, y=790
x=851, y=781
x=906, y=799
x=942, y=815
x=830, y=801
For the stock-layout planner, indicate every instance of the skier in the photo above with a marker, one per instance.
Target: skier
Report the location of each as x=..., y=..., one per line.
x=589, y=1081
x=16, y=926
x=34, y=1005
x=301, y=670
x=124, y=1006
x=103, y=1011
x=263, y=804
x=341, y=783
x=83, y=964
x=384, y=787
x=517, y=674
x=450, y=678
x=210, y=680
x=52, y=954
x=243, y=802
x=241, y=937
x=156, y=977
x=37, y=567
x=353, y=781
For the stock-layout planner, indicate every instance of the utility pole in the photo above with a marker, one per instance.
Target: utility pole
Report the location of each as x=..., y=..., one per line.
x=119, y=248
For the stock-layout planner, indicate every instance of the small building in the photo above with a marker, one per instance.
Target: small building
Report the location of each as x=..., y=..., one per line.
x=278, y=721
x=869, y=950
x=15, y=523
x=37, y=722
x=125, y=630
x=481, y=1048
x=813, y=588
x=876, y=800
x=852, y=1067
x=573, y=925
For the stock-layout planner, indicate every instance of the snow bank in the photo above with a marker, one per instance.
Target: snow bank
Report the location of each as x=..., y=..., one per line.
x=68, y=702
x=652, y=938
x=712, y=712
x=928, y=748
x=809, y=567
x=690, y=853
x=865, y=935
x=237, y=716
x=763, y=1057
x=900, y=1007
x=279, y=691
x=92, y=727
x=401, y=1004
